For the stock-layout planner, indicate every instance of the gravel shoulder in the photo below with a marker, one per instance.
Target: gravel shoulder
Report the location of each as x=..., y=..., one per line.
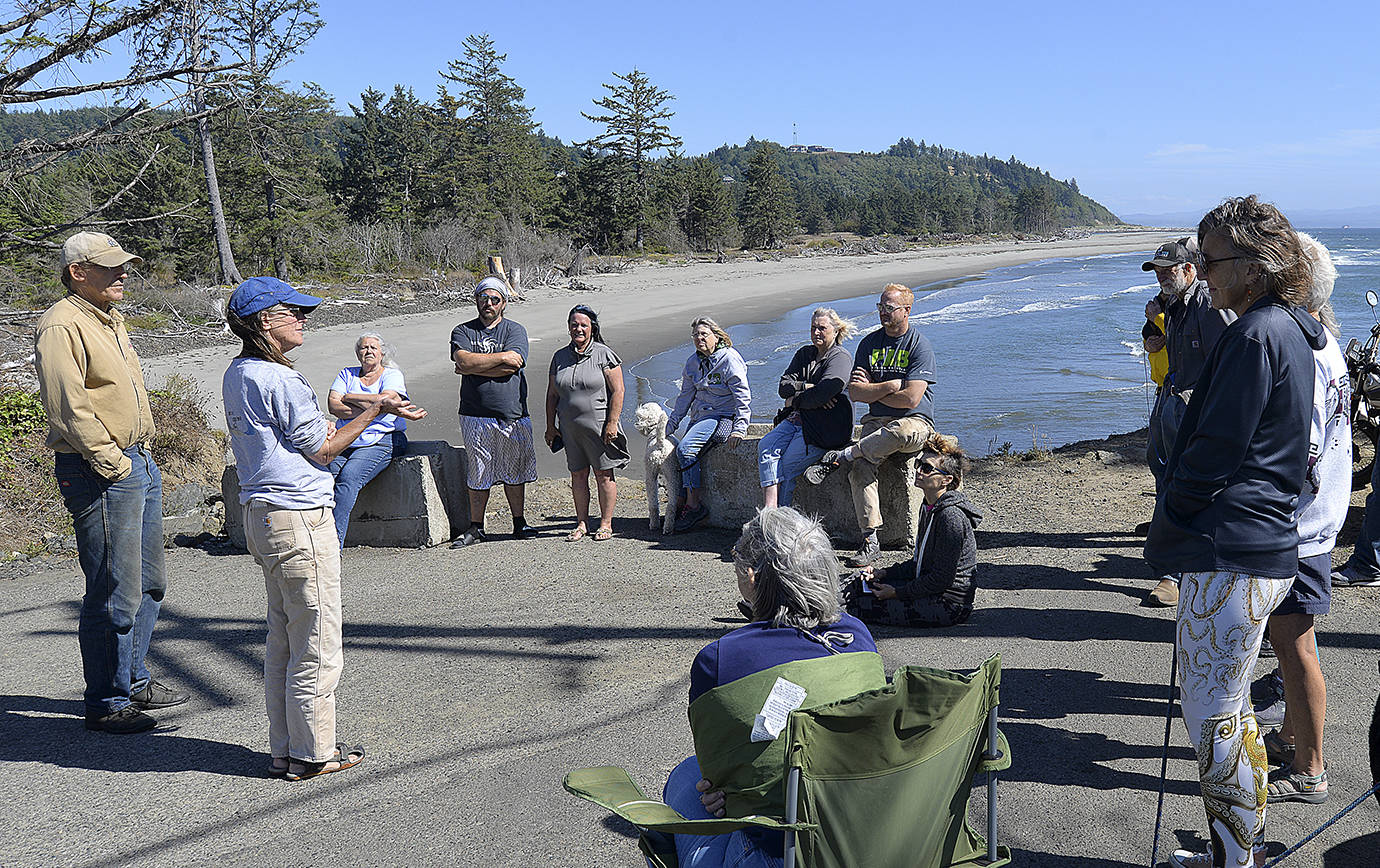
x=477, y=678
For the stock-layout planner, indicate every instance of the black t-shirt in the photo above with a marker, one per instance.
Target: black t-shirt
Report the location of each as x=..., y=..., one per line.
x=502, y=397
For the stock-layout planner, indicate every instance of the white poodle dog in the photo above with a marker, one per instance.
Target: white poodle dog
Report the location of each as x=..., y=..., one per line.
x=661, y=464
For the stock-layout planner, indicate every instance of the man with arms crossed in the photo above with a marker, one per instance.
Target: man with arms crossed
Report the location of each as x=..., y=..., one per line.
x=1191, y=329
x=893, y=374
x=490, y=353
x=101, y=427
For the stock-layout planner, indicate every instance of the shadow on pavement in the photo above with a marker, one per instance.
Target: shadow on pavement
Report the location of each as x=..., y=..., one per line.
x=41, y=729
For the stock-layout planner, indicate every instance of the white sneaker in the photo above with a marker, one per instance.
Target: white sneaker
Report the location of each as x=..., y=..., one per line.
x=1190, y=859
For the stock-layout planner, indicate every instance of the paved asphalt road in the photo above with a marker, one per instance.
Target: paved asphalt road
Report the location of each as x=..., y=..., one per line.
x=477, y=678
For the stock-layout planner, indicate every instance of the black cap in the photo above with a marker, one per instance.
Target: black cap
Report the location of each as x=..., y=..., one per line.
x=1174, y=253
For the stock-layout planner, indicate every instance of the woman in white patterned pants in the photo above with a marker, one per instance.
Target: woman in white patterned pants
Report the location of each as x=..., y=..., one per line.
x=1225, y=518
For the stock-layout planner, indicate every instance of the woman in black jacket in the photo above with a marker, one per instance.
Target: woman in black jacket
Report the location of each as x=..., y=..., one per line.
x=1225, y=519
x=818, y=416
x=935, y=587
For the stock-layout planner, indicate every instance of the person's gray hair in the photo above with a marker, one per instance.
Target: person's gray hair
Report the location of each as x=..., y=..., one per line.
x=384, y=349
x=719, y=334
x=841, y=325
x=797, y=571
x=1267, y=238
x=1324, y=278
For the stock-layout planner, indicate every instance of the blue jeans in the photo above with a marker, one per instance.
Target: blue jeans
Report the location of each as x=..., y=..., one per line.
x=690, y=447
x=119, y=529
x=354, y=468
x=740, y=849
x=782, y=455
x=1365, y=560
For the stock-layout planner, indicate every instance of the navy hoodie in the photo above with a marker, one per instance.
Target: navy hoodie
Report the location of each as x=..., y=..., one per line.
x=1238, y=465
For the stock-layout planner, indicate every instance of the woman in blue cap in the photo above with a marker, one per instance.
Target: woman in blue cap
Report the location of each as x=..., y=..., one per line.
x=282, y=444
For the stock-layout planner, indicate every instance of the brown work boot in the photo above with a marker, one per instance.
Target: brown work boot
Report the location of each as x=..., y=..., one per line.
x=1164, y=596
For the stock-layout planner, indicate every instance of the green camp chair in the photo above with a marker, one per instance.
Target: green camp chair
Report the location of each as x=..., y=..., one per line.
x=878, y=779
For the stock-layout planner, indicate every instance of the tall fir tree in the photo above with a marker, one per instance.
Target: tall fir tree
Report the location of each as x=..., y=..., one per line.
x=495, y=154
x=708, y=221
x=767, y=213
x=634, y=128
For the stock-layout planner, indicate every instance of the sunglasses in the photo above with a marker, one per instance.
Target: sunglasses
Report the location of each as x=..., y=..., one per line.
x=926, y=468
x=489, y=299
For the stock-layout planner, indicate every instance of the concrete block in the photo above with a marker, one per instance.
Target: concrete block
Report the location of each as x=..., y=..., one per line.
x=735, y=495
x=419, y=500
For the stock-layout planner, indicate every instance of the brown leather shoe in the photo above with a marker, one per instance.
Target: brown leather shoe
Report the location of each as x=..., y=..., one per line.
x=1164, y=596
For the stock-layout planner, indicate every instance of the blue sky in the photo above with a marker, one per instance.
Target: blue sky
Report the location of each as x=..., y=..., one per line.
x=1162, y=110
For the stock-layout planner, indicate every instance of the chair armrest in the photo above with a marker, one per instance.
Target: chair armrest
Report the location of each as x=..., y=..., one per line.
x=1002, y=761
x=612, y=788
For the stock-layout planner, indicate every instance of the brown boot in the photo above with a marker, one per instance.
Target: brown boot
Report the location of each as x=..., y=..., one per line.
x=1164, y=596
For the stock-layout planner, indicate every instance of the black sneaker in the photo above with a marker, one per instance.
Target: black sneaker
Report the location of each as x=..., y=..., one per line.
x=1267, y=651
x=867, y=554
x=126, y=721
x=523, y=530
x=832, y=460
x=473, y=534
x=745, y=610
x=691, y=517
x=157, y=695
x=1267, y=688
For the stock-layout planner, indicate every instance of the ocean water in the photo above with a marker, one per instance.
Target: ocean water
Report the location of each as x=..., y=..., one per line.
x=1040, y=354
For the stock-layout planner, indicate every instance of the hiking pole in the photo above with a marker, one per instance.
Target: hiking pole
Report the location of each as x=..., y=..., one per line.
x=1164, y=760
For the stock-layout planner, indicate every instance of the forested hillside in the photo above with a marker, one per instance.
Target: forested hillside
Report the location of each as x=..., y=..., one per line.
x=248, y=176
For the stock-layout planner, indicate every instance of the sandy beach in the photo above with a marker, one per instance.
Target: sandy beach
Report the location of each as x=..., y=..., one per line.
x=642, y=311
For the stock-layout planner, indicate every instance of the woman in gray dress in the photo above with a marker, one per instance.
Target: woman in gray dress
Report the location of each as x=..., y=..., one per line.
x=585, y=394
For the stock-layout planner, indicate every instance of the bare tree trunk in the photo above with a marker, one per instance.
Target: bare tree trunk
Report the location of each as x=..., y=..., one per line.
x=229, y=272
x=276, y=233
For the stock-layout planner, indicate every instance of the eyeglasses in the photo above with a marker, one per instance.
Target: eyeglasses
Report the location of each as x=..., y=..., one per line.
x=294, y=312
x=1207, y=263
x=890, y=308
x=489, y=299
x=926, y=468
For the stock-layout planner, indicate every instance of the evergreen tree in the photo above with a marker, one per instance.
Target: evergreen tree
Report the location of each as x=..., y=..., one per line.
x=708, y=221
x=495, y=154
x=634, y=129
x=767, y=213
x=363, y=176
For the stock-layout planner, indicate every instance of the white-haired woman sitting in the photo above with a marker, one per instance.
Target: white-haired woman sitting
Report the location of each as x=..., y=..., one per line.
x=789, y=574
x=355, y=389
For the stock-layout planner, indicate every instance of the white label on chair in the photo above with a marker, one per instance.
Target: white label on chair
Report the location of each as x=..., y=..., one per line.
x=784, y=698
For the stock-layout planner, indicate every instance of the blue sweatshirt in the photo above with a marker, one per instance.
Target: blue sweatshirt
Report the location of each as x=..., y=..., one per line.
x=713, y=386
x=1238, y=465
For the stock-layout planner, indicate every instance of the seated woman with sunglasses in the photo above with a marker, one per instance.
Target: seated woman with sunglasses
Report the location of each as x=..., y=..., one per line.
x=935, y=587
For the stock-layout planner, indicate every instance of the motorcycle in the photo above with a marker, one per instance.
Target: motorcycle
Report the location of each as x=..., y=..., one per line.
x=1363, y=370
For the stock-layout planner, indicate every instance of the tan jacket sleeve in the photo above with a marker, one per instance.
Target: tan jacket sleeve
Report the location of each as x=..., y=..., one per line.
x=60, y=360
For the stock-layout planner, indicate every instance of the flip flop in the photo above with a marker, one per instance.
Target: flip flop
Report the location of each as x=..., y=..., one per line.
x=576, y=535
x=602, y=534
x=278, y=771
x=346, y=757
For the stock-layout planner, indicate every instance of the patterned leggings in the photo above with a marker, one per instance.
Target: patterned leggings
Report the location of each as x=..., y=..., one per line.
x=1220, y=624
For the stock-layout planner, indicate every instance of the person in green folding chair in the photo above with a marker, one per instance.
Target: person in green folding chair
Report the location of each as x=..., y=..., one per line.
x=789, y=574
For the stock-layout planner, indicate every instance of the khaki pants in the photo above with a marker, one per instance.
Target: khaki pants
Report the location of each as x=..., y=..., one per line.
x=880, y=437
x=300, y=556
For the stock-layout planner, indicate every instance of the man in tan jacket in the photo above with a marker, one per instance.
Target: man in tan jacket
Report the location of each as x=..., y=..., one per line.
x=101, y=428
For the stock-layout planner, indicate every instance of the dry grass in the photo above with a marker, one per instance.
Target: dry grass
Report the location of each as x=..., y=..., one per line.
x=186, y=448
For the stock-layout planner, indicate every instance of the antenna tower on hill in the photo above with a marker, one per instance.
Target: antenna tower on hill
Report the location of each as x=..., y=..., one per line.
x=795, y=137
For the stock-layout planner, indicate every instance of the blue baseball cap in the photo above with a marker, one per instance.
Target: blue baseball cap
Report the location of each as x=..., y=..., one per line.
x=261, y=293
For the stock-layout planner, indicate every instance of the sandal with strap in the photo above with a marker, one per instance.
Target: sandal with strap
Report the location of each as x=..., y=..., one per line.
x=1278, y=751
x=1287, y=785
x=603, y=534
x=576, y=535
x=346, y=757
